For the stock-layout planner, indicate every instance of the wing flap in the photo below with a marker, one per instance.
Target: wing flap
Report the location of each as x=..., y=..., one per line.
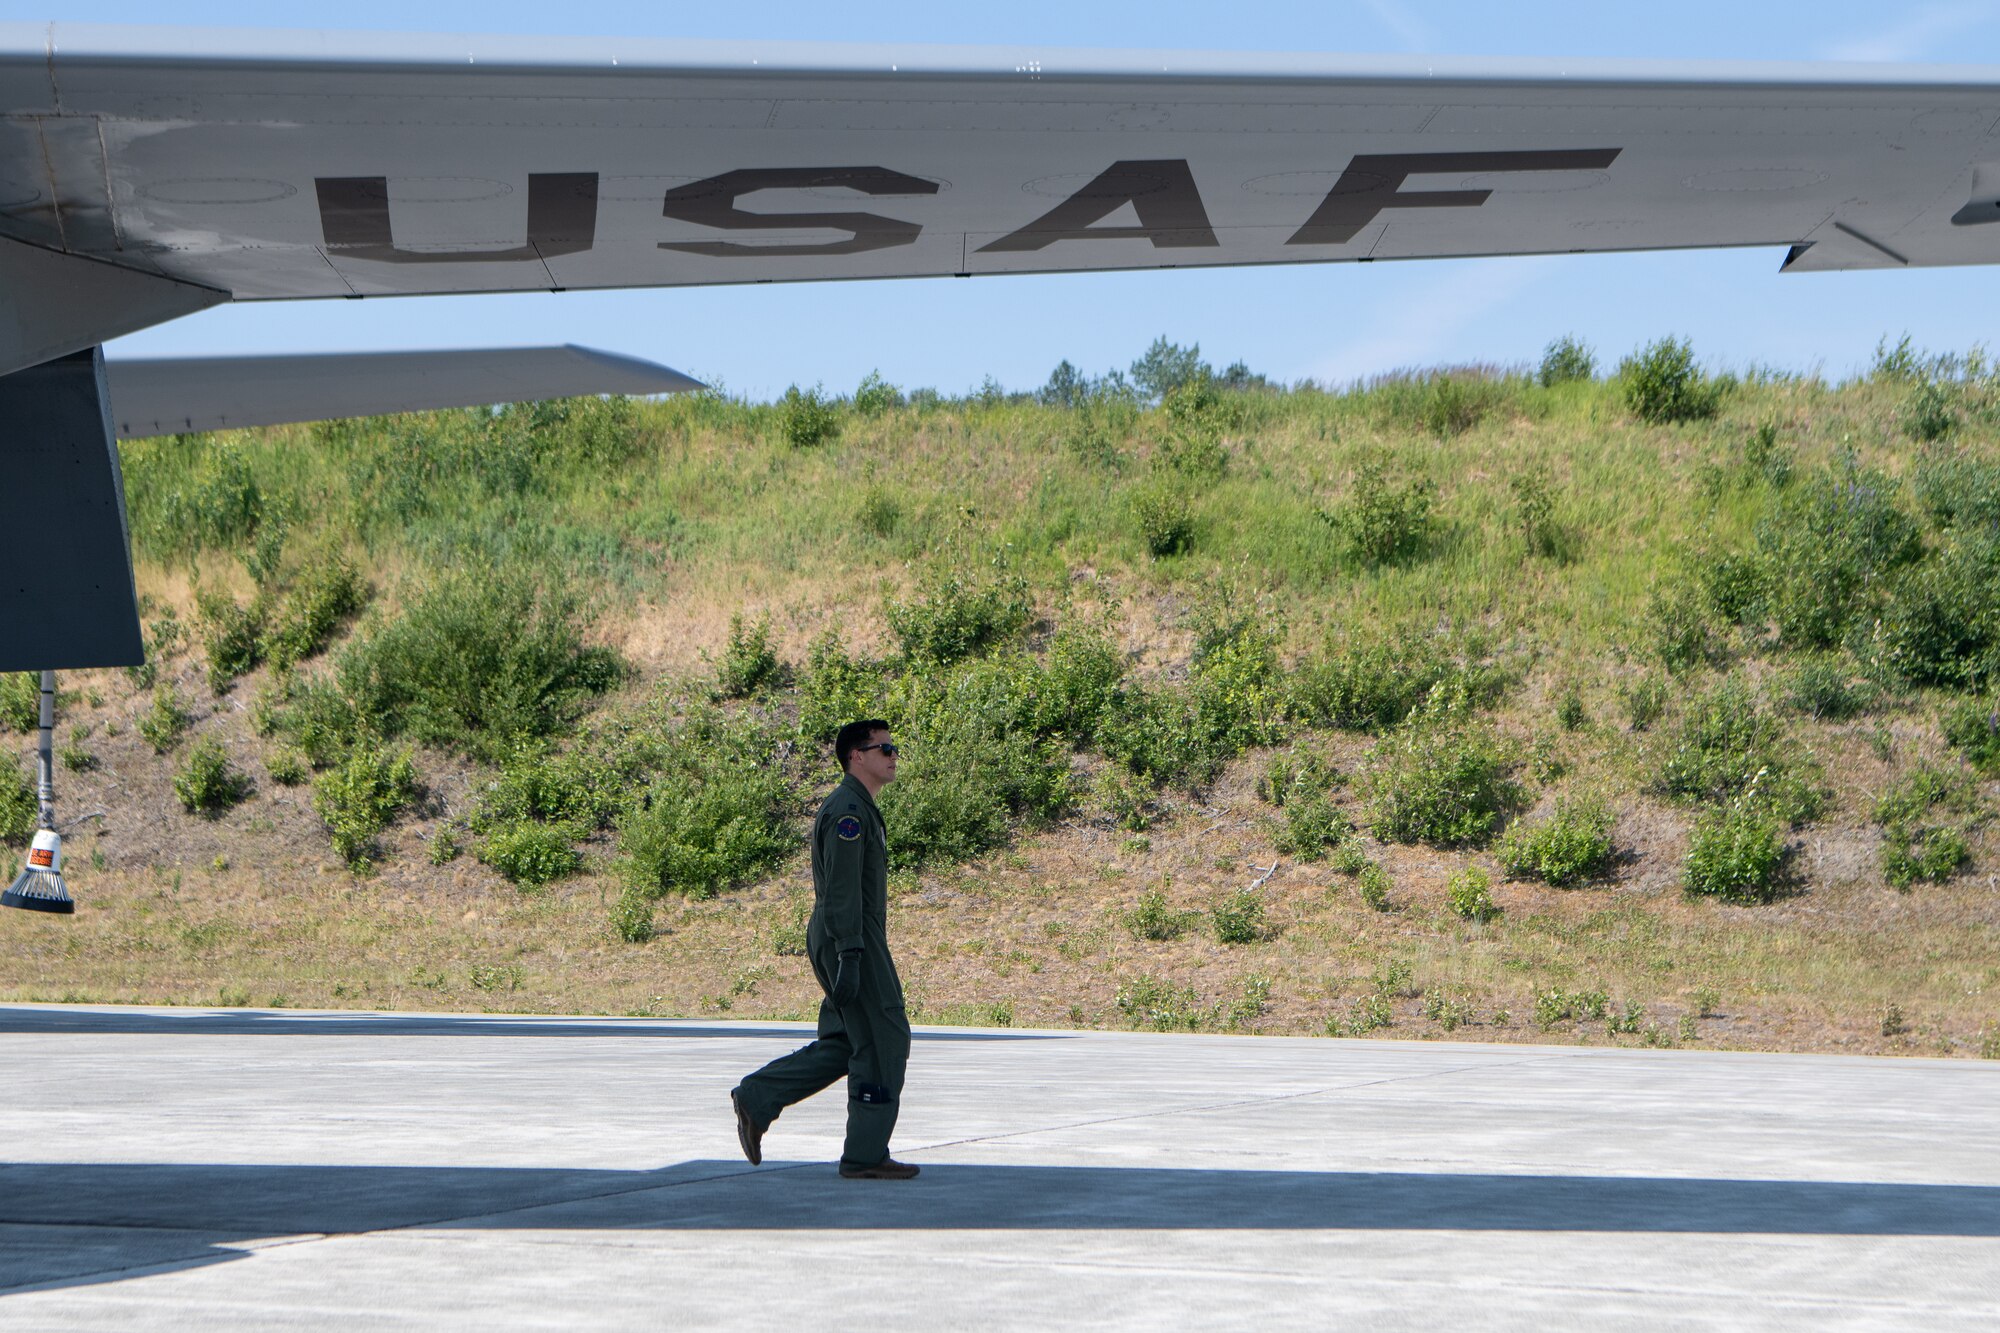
x=171, y=395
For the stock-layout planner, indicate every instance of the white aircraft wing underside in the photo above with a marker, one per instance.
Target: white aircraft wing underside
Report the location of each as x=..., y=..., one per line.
x=167, y=396
x=268, y=165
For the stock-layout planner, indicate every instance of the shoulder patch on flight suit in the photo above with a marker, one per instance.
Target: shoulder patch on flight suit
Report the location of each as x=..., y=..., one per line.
x=848, y=827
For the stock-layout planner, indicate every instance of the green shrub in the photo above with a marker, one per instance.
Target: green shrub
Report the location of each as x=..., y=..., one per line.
x=1373, y=680
x=1369, y=1013
x=1958, y=488
x=1941, y=624
x=358, y=797
x=1078, y=684
x=1764, y=460
x=1735, y=853
x=1825, y=688
x=1469, y=894
x=578, y=792
x=1096, y=432
x=1930, y=411
x=444, y=848
x=1299, y=784
x=559, y=434
x=1128, y=801
x=697, y=833
x=1161, y=1005
x=1726, y=748
x=1349, y=856
x=1645, y=701
x=1290, y=774
x=20, y=809
x=956, y=615
x=20, y=700
x=287, y=767
x=1572, y=845
x=1449, y=404
x=327, y=593
x=1565, y=361
x=1235, y=680
x=1441, y=779
x=1198, y=416
x=1374, y=884
x=1238, y=918
x=1556, y=1005
x=480, y=658
x=1972, y=726
x=968, y=778
x=231, y=637
x=835, y=689
x=1193, y=454
x=206, y=783
x=1545, y=760
x=1157, y=733
x=163, y=640
x=1449, y=1009
x=749, y=663
x=1312, y=825
x=806, y=418
x=881, y=513
x=1535, y=514
x=72, y=754
x=1164, y=512
x=1927, y=820
x=1570, y=712
x=1395, y=978
x=632, y=915
x=162, y=724
x=1153, y=919
x=1832, y=545
x=530, y=854
x=318, y=718
x=1684, y=634
x=1663, y=385
x=876, y=395
x=1380, y=523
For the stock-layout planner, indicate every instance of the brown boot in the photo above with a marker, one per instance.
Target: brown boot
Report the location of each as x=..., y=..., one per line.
x=886, y=1169
x=748, y=1135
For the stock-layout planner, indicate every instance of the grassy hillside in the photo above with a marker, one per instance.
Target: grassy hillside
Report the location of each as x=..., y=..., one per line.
x=1641, y=707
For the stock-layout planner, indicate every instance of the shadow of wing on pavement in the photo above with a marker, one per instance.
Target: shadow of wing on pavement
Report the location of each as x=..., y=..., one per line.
x=128, y=1219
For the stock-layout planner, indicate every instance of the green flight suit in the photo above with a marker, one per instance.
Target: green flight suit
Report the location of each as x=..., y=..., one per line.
x=866, y=1042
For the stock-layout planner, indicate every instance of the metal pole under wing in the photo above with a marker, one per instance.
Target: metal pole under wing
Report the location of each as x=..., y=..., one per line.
x=66, y=593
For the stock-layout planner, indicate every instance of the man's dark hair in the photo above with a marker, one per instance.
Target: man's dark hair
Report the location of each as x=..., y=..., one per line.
x=853, y=736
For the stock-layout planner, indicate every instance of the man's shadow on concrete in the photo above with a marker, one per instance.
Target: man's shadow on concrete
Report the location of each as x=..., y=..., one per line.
x=73, y=1224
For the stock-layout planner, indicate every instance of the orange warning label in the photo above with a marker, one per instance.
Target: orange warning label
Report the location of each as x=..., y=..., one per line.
x=42, y=857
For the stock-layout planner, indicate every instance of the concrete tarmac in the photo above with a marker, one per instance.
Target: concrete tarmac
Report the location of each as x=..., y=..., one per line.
x=216, y=1169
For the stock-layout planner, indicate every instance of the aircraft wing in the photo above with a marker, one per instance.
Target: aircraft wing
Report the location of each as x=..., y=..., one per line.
x=168, y=395
x=158, y=170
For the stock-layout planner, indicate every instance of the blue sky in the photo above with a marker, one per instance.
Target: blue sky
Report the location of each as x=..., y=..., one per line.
x=1331, y=322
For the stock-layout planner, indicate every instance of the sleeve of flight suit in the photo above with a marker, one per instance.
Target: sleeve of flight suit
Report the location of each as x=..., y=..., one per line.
x=842, y=857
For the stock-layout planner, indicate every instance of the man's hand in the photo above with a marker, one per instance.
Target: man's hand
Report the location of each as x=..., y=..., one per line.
x=847, y=979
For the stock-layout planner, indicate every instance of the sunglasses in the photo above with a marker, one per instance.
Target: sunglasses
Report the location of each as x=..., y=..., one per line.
x=888, y=749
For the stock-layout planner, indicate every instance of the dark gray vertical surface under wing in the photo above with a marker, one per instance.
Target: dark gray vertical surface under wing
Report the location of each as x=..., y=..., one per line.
x=66, y=594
